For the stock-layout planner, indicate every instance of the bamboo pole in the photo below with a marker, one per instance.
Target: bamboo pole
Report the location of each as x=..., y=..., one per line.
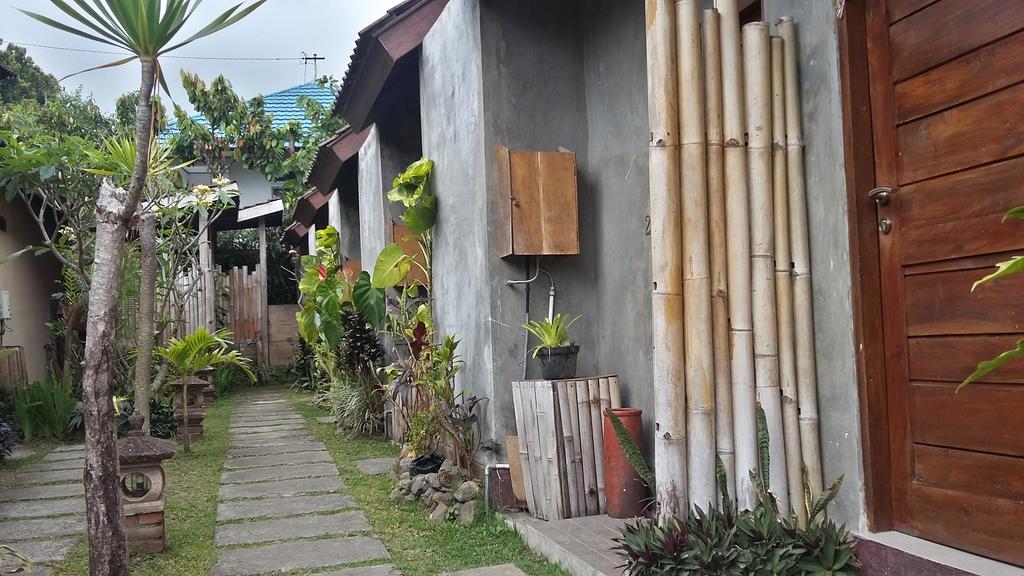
x=666, y=273
x=784, y=287
x=717, y=245
x=737, y=221
x=587, y=443
x=597, y=426
x=757, y=87
x=807, y=385
x=699, y=369
x=568, y=460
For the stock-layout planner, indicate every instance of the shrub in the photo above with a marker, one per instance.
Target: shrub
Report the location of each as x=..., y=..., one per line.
x=227, y=378
x=8, y=439
x=43, y=407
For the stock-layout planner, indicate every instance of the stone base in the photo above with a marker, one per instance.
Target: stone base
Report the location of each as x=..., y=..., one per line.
x=145, y=533
x=193, y=431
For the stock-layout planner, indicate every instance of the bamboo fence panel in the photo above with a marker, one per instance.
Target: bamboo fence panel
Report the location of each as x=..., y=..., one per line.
x=597, y=425
x=589, y=451
x=567, y=464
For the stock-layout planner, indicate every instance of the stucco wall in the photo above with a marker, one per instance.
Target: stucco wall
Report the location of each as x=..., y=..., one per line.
x=31, y=280
x=253, y=188
x=371, y=201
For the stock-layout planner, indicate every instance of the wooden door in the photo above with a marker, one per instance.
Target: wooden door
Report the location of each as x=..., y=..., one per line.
x=947, y=106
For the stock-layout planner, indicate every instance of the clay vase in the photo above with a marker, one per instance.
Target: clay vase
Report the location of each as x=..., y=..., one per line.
x=624, y=490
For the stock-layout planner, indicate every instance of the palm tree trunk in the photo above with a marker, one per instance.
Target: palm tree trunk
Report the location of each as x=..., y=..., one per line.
x=108, y=554
x=144, y=322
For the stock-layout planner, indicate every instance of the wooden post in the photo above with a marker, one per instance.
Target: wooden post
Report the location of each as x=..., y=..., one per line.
x=209, y=302
x=263, y=298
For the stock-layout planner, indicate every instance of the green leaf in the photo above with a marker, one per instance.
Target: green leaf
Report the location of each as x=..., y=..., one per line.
x=306, y=320
x=421, y=217
x=1010, y=267
x=369, y=300
x=1017, y=212
x=47, y=172
x=391, y=268
x=989, y=365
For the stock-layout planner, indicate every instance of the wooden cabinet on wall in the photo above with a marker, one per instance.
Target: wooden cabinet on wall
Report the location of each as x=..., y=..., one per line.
x=538, y=199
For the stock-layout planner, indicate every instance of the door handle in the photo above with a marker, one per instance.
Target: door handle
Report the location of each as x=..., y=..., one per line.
x=880, y=195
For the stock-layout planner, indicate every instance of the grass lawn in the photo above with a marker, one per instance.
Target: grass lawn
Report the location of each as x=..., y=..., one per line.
x=193, y=483
x=418, y=546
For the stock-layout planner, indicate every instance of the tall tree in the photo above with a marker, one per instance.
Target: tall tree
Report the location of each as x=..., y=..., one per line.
x=124, y=113
x=147, y=30
x=29, y=82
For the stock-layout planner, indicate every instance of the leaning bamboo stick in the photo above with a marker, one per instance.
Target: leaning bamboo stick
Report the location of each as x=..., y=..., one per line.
x=784, y=287
x=807, y=384
x=587, y=443
x=666, y=281
x=568, y=461
x=577, y=444
x=699, y=369
x=757, y=87
x=717, y=245
x=737, y=221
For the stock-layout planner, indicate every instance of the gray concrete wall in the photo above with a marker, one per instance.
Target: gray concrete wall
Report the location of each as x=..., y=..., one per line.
x=371, y=201
x=830, y=250
x=451, y=100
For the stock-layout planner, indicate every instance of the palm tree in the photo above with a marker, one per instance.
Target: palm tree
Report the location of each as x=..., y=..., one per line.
x=186, y=356
x=146, y=29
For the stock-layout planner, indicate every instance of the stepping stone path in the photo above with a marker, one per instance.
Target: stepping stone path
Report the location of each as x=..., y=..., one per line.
x=283, y=505
x=42, y=510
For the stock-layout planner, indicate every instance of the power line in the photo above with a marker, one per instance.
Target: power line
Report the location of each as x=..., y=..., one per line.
x=113, y=53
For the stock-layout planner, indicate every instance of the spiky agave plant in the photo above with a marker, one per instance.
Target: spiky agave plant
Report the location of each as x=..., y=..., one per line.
x=188, y=355
x=553, y=332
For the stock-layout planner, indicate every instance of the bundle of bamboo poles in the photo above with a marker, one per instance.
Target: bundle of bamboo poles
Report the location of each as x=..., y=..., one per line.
x=733, y=322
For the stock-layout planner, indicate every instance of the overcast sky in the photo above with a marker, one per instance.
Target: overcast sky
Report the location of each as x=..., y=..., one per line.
x=278, y=29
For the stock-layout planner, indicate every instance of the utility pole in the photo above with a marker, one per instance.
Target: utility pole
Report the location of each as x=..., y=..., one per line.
x=315, y=58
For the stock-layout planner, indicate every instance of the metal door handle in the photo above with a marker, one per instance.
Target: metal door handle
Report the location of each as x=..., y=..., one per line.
x=880, y=195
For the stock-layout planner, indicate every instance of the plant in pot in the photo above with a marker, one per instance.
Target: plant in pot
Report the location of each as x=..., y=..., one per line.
x=557, y=353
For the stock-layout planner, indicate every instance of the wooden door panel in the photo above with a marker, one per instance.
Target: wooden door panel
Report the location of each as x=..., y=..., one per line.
x=982, y=417
x=981, y=524
x=946, y=30
x=947, y=109
x=942, y=304
x=961, y=470
x=952, y=358
x=981, y=131
x=974, y=74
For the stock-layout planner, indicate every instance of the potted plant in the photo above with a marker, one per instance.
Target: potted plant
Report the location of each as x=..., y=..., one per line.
x=557, y=352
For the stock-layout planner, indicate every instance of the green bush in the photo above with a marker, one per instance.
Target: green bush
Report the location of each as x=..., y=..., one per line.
x=227, y=378
x=42, y=408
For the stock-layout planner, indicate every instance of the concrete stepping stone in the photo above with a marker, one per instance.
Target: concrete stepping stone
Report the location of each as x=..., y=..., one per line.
x=255, y=438
x=280, y=488
x=60, y=456
x=382, y=570
x=310, y=526
x=275, y=421
x=281, y=507
x=376, y=466
x=279, y=473
x=326, y=419
x=298, y=555
x=52, y=477
x=43, y=551
x=70, y=448
x=42, y=508
x=76, y=464
x=267, y=428
x=502, y=570
x=15, y=530
x=279, y=459
x=256, y=417
x=42, y=492
x=301, y=446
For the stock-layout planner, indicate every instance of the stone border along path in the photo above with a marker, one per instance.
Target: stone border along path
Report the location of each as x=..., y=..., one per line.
x=283, y=505
x=42, y=510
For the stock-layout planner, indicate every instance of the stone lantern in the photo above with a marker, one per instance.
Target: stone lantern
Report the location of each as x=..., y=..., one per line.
x=195, y=401
x=142, y=486
x=206, y=374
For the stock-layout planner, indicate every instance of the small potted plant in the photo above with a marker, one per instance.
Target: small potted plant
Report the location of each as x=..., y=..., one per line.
x=557, y=352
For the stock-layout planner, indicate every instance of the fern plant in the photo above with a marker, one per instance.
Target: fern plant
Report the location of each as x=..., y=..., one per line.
x=553, y=332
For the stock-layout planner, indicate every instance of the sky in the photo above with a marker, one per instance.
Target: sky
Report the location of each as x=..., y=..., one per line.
x=278, y=29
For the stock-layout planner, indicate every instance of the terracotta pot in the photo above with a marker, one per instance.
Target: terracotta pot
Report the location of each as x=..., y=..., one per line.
x=624, y=490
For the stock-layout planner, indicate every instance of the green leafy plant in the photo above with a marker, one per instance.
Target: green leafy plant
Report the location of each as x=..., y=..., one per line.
x=43, y=407
x=410, y=188
x=8, y=440
x=201, y=349
x=553, y=332
x=1014, y=265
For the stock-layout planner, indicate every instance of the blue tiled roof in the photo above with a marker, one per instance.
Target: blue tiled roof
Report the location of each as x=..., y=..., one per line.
x=283, y=105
